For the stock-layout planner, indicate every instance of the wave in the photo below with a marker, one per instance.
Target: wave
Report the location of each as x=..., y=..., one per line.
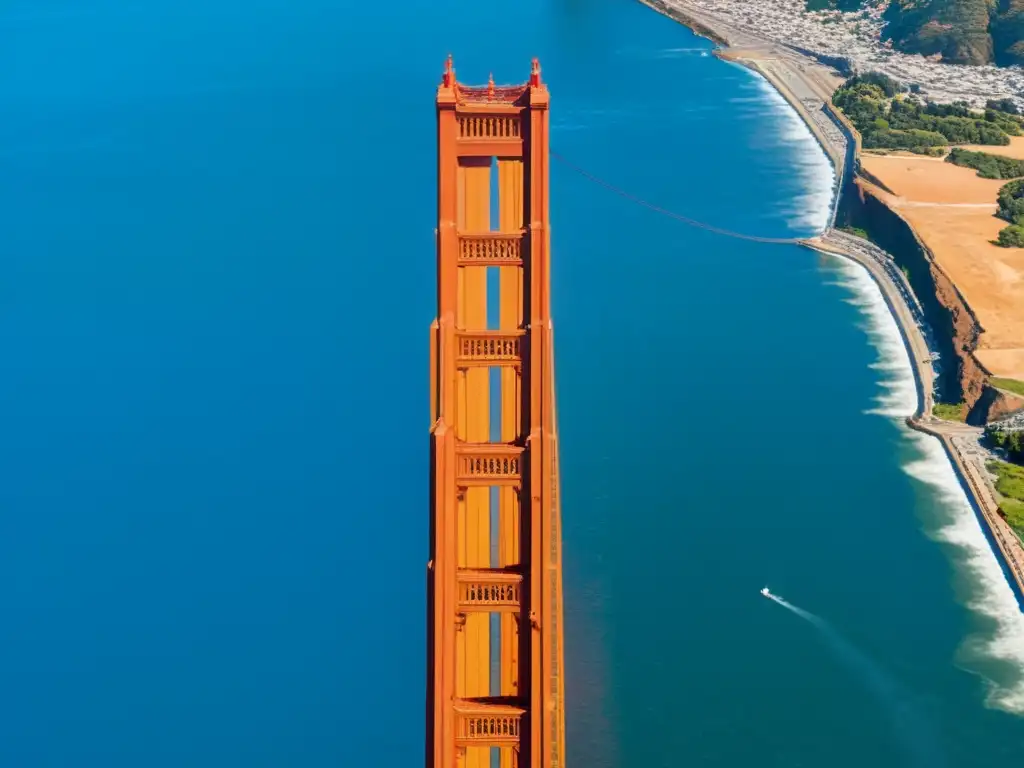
x=897, y=398
x=810, y=208
x=995, y=649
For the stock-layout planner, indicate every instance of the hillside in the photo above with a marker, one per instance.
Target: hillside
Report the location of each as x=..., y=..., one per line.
x=1008, y=33
x=958, y=31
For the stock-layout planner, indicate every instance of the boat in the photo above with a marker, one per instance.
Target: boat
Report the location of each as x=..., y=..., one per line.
x=765, y=592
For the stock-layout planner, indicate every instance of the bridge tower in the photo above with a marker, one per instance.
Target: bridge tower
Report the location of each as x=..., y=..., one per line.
x=495, y=691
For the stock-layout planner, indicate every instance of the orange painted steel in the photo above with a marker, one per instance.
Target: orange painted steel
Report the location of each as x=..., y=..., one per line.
x=493, y=687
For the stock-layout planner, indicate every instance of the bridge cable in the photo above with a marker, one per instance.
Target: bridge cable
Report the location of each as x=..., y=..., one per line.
x=672, y=214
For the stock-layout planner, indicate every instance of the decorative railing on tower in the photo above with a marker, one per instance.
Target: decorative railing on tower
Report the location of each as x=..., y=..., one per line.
x=494, y=576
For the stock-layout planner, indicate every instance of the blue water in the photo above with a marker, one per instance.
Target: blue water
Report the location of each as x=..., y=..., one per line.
x=217, y=279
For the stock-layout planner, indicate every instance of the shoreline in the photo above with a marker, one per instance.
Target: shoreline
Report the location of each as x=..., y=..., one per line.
x=807, y=86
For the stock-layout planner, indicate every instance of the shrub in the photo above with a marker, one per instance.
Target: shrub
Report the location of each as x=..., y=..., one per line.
x=1011, y=236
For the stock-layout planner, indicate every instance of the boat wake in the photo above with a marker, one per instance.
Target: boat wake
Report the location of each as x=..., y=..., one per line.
x=638, y=52
x=911, y=728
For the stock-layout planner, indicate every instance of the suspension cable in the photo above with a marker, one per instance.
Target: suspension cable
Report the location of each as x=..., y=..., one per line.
x=671, y=214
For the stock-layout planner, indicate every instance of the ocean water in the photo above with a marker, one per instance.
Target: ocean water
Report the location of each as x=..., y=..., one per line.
x=217, y=280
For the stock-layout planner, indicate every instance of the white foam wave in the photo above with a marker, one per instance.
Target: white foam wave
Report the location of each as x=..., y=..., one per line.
x=988, y=592
x=811, y=208
x=898, y=396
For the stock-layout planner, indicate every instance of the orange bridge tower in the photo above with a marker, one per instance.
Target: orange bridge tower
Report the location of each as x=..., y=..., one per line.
x=495, y=690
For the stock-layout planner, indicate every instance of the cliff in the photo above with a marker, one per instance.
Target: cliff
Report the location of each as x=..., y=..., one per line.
x=955, y=328
x=965, y=331
x=995, y=404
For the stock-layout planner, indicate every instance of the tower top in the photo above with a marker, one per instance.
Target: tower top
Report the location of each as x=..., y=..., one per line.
x=449, y=73
x=535, y=72
x=518, y=95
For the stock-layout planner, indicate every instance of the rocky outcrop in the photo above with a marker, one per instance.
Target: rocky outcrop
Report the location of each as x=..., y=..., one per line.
x=965, y=332
x=994, y=404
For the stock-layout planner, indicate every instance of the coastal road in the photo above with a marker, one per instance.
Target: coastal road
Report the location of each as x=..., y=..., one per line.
x=970, y=457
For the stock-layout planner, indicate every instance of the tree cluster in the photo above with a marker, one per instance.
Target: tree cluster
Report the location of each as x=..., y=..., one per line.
x=1011, y=441
x=988, y=166
x=1011, y=202
x=1011, y=209
x=887, y=118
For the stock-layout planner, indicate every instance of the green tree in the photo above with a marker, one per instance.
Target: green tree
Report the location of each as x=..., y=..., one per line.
x=1011, y=236
x=988, y=166
x=888, y=119
x=1002, y=105
x=1011, y=202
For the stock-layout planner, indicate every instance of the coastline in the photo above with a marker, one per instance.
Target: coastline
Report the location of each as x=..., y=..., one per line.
x=807, y=86
x=999, y=534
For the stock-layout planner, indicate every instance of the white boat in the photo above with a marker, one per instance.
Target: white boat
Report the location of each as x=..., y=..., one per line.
x=765, y=592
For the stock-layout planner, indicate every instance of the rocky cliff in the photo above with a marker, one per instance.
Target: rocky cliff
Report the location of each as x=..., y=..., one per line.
x=955, y=330
x=994, y=404
x=965, y=332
